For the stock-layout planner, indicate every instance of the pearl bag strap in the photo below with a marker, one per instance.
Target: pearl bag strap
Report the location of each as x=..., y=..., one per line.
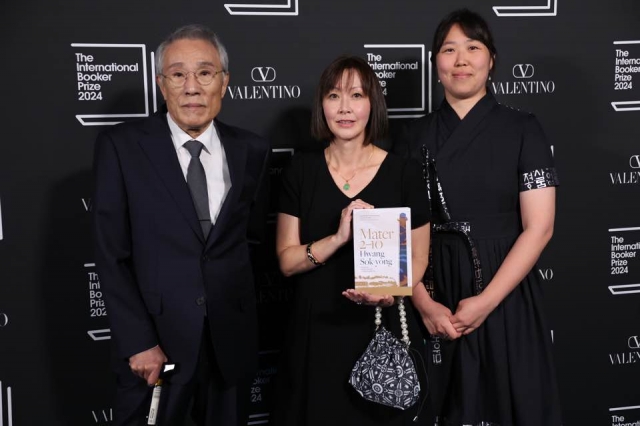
x=403, y=320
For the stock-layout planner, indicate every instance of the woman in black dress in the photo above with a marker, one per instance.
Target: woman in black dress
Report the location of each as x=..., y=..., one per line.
x=492, y=185
x=328, y=331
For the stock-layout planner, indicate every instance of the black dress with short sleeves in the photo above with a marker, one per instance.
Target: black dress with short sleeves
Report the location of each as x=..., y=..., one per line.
x=502, y=374
x=327, y=332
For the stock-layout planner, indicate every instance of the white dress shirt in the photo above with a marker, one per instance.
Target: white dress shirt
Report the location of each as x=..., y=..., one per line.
x=213, y=160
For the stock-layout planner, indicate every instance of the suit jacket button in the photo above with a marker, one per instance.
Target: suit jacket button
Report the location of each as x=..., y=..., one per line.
x=200, y=300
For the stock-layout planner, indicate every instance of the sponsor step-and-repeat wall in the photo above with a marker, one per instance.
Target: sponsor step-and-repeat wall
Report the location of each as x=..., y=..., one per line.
x=71, y=69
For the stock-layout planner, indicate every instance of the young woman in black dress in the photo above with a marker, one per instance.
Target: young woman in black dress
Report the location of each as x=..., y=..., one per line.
x=492, y=184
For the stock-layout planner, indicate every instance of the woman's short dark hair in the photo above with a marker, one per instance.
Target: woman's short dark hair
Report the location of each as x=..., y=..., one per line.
x=472, y=25
x=331, y=78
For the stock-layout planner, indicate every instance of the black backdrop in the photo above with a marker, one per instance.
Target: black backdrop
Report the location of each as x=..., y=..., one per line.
x=576, y=64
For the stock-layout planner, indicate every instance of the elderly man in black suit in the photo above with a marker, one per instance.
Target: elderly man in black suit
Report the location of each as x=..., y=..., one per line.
x=178, y=196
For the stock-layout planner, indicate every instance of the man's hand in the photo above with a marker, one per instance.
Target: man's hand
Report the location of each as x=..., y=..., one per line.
x=148, y=364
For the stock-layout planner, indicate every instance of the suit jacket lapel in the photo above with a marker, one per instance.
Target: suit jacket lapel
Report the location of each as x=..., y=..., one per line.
x=159, y=148
x=236, y=154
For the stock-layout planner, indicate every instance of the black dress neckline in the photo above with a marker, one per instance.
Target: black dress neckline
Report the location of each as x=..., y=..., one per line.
x=337, y=187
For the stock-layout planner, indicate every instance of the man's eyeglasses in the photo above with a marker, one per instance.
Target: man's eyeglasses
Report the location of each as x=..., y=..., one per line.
x=204, y=76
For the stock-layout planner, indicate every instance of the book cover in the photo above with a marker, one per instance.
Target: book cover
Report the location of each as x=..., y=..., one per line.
x=382, y=250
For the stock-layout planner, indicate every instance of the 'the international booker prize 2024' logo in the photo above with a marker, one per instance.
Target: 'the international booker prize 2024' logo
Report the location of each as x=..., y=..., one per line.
x=625, y=68
x=104, y=73
x=401, y=70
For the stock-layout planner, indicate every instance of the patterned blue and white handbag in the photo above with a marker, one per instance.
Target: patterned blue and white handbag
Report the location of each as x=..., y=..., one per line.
x=386, y=373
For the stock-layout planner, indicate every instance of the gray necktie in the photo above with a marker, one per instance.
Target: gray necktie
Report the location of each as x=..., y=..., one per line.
x=197, y=182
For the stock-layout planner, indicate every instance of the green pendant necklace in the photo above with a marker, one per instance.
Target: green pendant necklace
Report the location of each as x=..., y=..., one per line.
x=347, y=185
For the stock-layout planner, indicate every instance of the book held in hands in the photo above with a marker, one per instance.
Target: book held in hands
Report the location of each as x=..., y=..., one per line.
x=382, y=250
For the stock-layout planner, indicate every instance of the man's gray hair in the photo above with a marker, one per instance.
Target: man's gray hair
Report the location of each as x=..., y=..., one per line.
x=192, y=32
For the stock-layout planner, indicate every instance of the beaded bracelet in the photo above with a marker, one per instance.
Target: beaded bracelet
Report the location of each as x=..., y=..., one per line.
x=311, y=257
